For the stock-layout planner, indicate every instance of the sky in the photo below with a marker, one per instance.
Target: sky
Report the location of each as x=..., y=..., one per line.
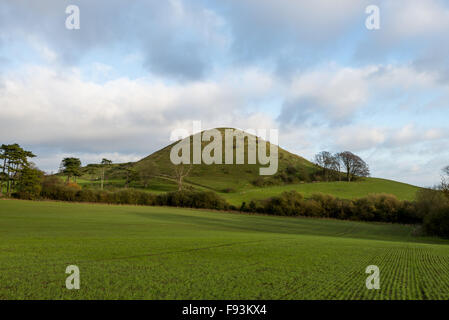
x=136, y=70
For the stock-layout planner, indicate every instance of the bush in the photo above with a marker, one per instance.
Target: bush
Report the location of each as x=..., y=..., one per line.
x=193, y=199
x=375, y=207
x=434, y=207
x=436, y=223
x=55, y=189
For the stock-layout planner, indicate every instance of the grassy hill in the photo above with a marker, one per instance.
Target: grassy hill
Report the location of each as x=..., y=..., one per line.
x=232, y=177
x=239, y=183
x=343, y=190
x=132, y=252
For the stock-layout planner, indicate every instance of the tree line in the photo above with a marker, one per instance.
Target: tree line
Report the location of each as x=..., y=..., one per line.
x=333, y=164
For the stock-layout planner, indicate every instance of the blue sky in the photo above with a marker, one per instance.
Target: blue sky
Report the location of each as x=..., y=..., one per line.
x=135, y=71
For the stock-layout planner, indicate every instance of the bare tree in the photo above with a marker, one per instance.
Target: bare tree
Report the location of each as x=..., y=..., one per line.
x=336, y=166
x=325, y=160
x=131, y=174
x=445, y=181
x=181, y=172
x=354, y=165
x=446, y=171
x=147, y=170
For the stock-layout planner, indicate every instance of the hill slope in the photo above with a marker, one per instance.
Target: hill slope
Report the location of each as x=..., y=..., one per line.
x=232, y=176
x=239, y=183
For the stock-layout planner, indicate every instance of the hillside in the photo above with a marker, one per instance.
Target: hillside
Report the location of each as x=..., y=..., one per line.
x=343, y=190
x=239, y=183
x=234, y=177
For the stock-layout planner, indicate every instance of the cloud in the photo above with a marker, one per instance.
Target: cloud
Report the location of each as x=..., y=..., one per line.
x=176, y=39
x=415, y=18
x=335, y=95
x=330, y=94
x=261, y=28
x=410, y=29
x=60, y=111
x=136, y=70
x=358, y=138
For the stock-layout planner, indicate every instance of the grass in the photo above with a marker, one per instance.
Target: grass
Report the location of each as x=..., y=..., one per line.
x=170, y=253
x=342, y=190
x=156, y=185
x=236, y=183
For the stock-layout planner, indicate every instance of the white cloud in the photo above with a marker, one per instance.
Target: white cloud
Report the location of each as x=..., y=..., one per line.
x=62, y=112
x=358, y=138
x=412, y=18
x=335, y=94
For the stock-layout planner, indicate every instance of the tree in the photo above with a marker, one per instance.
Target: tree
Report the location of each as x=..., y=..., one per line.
x=29, y=183
x=329, y=163
x=180, y=173
x=70, y=167
x=324, y=160
x=15, y=159
x=3, y=176
x=445, y=181
x=446, y=171
x=147, y=170
x=104, y=164
x=336, y=166
x=131, y=175
x=354, y=165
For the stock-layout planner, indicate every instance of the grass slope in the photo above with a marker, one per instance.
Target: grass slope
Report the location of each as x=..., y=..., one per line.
x=342, y=190
x=238, y=179
x=226, y=176
x=168, y=253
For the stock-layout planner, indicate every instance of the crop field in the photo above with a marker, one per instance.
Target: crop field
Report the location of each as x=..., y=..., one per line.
x=132, y=252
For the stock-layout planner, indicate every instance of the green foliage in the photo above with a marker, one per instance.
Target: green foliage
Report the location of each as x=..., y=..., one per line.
x=53, y=188
x=13, y=159
x=374, y=207
x=71, y=167
x=29, y=183
x=434, y=207
x=193, y=199
x=436, y=223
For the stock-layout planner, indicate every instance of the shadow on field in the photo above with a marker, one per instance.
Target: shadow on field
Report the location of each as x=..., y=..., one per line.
x=287, y=225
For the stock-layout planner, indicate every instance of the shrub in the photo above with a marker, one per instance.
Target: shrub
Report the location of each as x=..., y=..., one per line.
x=258, y=182
x=434, y=208
x=436, y=222
x=375, y=207
x=192, y=199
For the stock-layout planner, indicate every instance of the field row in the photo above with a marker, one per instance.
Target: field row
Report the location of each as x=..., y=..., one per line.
x=167, y=253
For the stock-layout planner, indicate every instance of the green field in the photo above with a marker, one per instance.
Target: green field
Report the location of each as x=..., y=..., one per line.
x=342, y=190
x=170, y=253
